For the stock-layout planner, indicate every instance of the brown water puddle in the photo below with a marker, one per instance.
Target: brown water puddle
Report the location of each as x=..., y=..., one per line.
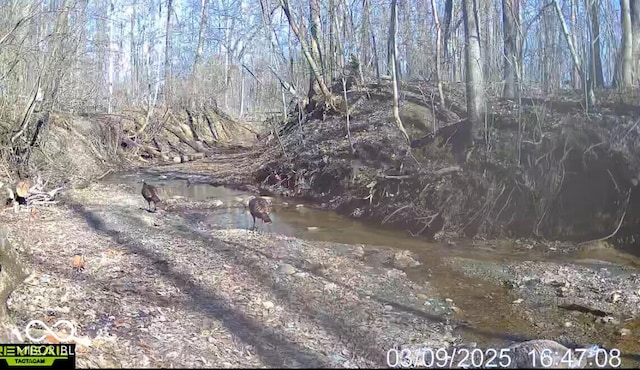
x=484, y=316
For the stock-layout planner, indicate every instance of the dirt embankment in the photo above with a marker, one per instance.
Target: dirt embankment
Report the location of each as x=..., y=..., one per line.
x=568, y=175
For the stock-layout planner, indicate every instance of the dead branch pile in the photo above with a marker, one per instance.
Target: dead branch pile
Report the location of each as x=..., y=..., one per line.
x=31, y=194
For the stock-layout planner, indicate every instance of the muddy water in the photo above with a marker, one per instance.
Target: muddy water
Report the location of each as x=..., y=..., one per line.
x=479, y=302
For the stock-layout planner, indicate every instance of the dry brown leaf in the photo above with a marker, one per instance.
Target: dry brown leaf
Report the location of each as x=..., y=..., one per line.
x=22, y=189
x=78, y=261
x=51, y=339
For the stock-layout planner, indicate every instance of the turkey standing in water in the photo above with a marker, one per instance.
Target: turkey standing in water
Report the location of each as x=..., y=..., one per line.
x=259, y=208
x=150, y=194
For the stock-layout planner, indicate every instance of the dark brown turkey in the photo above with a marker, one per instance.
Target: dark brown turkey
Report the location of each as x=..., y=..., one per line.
x=260, y=208
x=150, y=194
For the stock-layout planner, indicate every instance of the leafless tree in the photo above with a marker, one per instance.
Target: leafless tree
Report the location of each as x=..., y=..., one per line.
x=473, y=64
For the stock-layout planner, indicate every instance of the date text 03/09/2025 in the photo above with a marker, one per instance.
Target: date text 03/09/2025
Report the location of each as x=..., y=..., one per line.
x=500, y=358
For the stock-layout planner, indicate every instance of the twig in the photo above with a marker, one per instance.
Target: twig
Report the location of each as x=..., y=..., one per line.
x=395, y=177
x=104, y=174
x=384, y=221
x=446, y=170
x=346, y=105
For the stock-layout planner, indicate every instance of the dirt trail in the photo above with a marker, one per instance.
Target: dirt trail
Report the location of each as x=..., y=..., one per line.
x=158, y=291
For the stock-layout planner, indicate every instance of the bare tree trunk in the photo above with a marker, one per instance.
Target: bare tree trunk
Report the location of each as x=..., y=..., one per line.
x=591, y=98
x=448, y=11
x=110, y=11
x=167, y=54
x=331, y=59
x=307, y=53
x=434, y=10
x=597, y=74
x=135, y=70
x=576, y=74
x=634, y=5
x=365, y=39
x=376, y=59
x=627, y=44
x=392, y=48
x=315, y=29
x=511, y=31
x=203, y=25
x=474, y=78
x=393, y=32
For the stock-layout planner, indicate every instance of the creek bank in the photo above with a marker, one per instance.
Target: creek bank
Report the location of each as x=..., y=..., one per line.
x=586, y=300
x=190, y=295
x=573, y=169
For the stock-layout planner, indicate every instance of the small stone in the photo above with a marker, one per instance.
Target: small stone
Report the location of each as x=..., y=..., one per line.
x=608, y=320
x=615, y=297
x=176, y=159
x=448, y=300
x=299, y=205
x=395, y=273
x=287, y=269
x=312, y=228
x=359, y=251
x=63, y=309
x=404, y=259
x=285, y=204
x=422, y=297
x=330, y=286
x=268, y=305
x=456, y=310
x=218, y=203
x=567, y=324
x=388, y=307
x=624, y=332
x=518, y=301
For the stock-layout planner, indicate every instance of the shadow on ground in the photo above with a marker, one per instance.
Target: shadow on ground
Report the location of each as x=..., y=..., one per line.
x=251, y=332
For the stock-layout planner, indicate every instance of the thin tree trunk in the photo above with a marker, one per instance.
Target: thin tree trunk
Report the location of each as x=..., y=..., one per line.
x=510, y=11
x=634, y=5
x=627, y=44
x=434, y=10
x=365, y=40
x=197, y=60
x=576, y=74
x=474, y=78
x=167, y=54
x=394, y=75
x=315, y=29
x=596, y=59
x=591, y=99
x=306, y=51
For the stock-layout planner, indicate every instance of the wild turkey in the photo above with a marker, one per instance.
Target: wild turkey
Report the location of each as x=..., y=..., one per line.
x=259, y=208
x=150, y=194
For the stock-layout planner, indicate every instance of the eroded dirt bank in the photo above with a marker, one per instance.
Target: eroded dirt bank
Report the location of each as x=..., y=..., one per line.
x=547, y=169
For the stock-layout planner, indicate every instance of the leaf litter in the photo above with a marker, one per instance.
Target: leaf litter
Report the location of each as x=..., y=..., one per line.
x=185, y=295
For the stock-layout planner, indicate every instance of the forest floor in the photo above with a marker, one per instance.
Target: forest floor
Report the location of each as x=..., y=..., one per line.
x=158, y=291
x=165, y=290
